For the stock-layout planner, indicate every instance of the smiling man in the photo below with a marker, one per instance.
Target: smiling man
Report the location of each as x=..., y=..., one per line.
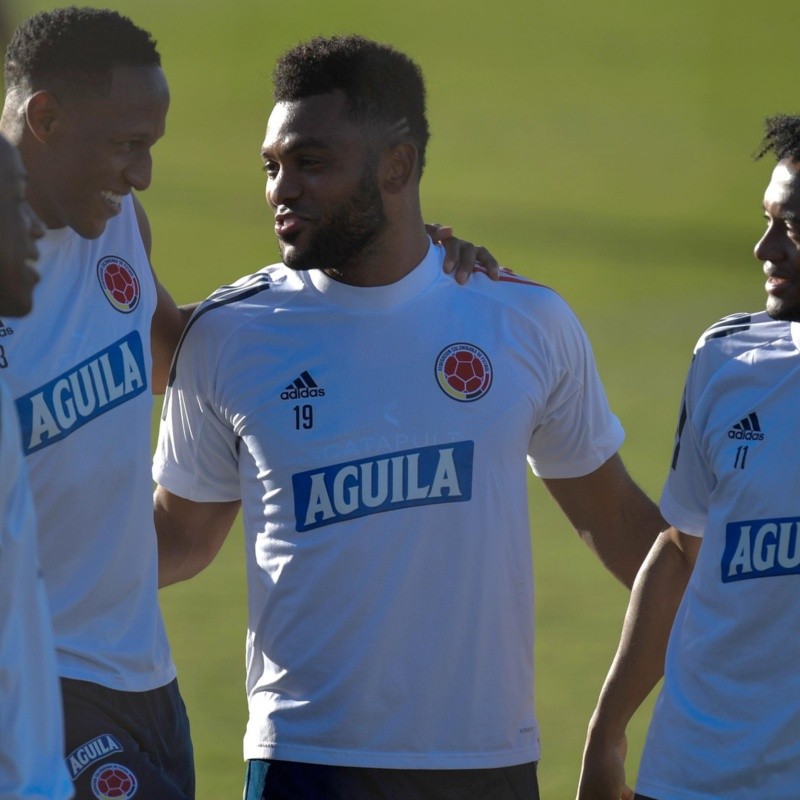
x=373, y=419
x=86, y=100
x=726, y=722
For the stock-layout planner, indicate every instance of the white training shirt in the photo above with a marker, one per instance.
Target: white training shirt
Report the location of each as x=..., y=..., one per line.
x=31, y=724
x=79, y=368
x=727, y=722
x=385, y=508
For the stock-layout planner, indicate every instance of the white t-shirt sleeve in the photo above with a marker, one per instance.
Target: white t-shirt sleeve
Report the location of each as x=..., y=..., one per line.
x=196, y=457
x=578, y=432
x=686, y=495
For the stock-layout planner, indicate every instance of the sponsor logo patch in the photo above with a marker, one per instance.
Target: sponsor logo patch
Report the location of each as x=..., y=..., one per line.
x=463, y=372
x=119, y=283
x=419, y=477
x=107, y=379
x=761, y=548
x=748, y=429
x=301, y=387
x=114, y=782
x=90, y=752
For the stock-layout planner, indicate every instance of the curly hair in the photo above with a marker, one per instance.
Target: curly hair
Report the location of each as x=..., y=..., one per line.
x=781, y=137
x=383, y=86
x=76, y=47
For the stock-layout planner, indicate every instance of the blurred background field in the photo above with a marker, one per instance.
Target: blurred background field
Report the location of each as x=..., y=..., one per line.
x=601, y=148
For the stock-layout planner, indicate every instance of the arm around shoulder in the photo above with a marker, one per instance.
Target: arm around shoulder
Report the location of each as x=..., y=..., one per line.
x=168, y=319
x=190, y=534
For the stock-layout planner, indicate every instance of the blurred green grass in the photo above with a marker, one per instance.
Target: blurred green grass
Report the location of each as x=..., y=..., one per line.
x=601, y=148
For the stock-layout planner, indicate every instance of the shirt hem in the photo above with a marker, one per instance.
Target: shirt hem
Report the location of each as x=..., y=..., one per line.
x=139, y=683
x=346, y=758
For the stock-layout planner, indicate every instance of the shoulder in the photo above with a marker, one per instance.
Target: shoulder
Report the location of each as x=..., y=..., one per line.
x=739, y=333
x=538, y=302
x=231, y=308
x=249, y=296
x=735, y=339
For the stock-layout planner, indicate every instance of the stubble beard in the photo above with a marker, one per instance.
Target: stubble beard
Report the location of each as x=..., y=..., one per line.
x=352, y=229
x=784, y=313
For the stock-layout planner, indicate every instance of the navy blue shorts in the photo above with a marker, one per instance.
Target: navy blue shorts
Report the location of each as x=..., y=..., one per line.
x=121, y=744
x=291, y=780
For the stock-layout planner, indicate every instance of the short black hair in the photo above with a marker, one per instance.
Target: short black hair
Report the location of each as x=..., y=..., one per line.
x=382, y=85
x=75, y=47
x=781, y=137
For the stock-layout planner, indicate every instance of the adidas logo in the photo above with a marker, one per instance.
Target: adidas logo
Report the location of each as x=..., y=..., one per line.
x=747, y=428
x=304, y=386
x=5, y=330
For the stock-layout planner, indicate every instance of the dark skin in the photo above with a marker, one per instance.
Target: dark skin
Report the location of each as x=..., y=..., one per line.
x=84, y=152
x=659, y=589
x=21, y=228
x=315, y=158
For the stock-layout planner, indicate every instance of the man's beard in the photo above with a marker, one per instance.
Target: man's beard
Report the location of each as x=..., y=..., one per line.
x=790, y=313
x=351, y=229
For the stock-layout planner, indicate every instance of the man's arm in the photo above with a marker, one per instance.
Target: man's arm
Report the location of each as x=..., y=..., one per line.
x=169, y=320
x=612, y=514
x=190, y=534
x=638, y=664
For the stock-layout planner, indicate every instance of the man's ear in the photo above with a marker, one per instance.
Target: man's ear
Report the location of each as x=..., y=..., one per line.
x=399, y=167
x=41, y=114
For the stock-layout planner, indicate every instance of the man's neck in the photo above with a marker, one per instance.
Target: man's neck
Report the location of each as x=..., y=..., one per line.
x=388, y=259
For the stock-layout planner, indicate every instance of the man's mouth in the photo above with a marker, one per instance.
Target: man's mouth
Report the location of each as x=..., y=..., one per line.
x=114, y=200
x=288, y=224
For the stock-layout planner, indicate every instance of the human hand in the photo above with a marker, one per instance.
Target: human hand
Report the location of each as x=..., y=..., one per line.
x=460, y=256
x=603, y=771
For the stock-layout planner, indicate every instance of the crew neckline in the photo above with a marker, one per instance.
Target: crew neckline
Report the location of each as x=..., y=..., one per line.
x=379, y=298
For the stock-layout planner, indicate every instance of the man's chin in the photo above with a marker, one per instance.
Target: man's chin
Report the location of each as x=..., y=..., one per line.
x=297, y=260
x=783, y=312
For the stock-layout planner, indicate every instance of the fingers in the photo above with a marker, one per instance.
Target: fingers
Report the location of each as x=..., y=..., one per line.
x=438, y=232
x=488, y=262
x=460, y=256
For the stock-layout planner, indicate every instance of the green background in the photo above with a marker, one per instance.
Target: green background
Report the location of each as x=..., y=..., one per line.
x=601, y=148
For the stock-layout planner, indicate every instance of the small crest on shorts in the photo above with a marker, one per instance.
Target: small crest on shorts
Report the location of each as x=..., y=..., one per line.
x=114, y=782
x=119, y=283
x=463, y=372
x=90, y=752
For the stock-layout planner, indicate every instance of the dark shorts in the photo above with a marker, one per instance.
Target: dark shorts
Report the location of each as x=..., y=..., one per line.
x=121, y=744
x=291, y=780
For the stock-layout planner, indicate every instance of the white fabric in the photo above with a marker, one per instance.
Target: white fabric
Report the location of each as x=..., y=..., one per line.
x=727, y=722
x=31, y=724
x=79, y=369
x=386, y=523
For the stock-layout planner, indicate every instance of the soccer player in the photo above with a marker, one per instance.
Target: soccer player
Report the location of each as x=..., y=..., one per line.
x=719, y=591
x=86, y=101
x=374, y=420
x=31, y=727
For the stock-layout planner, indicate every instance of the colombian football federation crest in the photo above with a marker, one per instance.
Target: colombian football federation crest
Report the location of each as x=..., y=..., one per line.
x=119, y=283
x=114, y=782
x=463, y=372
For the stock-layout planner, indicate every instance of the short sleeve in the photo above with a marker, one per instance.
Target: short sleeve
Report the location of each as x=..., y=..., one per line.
x=577, y=432
x=687, y=491
x=196, y=457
